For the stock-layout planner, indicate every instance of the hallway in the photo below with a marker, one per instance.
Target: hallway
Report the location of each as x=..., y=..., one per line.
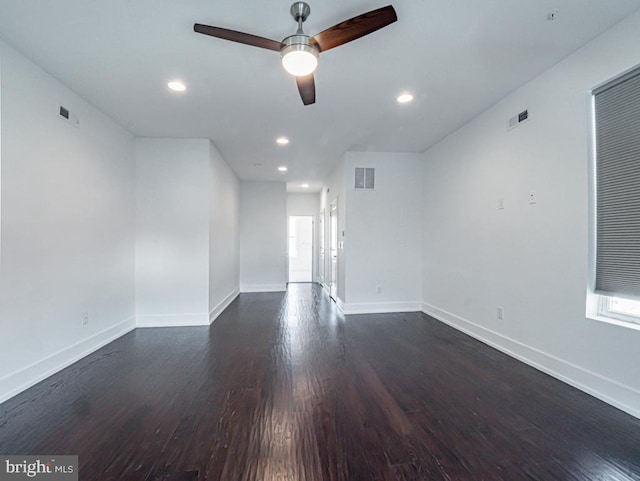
x=282, y=387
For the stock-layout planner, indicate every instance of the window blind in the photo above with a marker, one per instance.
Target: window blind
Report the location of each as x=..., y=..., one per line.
x=617, y=203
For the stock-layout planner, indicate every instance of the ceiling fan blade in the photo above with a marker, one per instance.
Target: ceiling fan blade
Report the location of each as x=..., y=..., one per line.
x=239, y=37
x=307, y=89
x=355, y=27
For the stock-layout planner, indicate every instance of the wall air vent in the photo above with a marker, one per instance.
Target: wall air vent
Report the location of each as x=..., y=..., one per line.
x=365, y=178
x=69, y=116
x=518, y=119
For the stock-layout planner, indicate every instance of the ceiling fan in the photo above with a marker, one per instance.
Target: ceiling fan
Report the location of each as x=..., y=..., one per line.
x=299, y=52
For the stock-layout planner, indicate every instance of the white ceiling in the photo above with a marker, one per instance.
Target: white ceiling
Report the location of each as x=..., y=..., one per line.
x=457, y=57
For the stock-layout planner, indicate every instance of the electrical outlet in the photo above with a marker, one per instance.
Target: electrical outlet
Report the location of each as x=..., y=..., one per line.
x=500, y=313
x=501, y=203
x=532, y=197
x=85, y=318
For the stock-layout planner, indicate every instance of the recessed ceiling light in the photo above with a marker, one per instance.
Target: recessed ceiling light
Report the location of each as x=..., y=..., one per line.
x=404, y=98
x=257, y=165
x=282, y=168
x=282, y=140
x=305, y=186
x=177, y=86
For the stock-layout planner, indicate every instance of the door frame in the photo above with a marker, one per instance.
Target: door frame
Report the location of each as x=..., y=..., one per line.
x=322, y=248
x=333, y=246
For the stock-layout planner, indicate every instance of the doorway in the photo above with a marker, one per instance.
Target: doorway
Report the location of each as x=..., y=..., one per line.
x=321, y=262
x=333, y=247
x=300, y=248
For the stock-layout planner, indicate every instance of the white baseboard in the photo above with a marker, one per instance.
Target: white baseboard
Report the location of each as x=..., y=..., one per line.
x=263, y=287
x=223, y=304
x=381, y=307
x=173, y=320
x=608, y=390
x=28, y=376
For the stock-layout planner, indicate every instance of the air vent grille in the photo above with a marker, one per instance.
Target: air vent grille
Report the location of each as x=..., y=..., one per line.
x=518, y=119
x=365, y=178
x=69, y=116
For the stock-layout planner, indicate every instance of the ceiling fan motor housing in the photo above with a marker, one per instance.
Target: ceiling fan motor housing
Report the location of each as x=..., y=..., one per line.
x=299, y=42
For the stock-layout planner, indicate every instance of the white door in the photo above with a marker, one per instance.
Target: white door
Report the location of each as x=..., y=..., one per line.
x=300, y=248
x=333, y=239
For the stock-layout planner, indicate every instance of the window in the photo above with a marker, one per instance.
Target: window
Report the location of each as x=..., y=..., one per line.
x=623, y=306
x=616, y=197
x=625, y=311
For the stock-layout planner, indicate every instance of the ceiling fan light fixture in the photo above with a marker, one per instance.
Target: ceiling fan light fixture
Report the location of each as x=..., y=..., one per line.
x=299, y=57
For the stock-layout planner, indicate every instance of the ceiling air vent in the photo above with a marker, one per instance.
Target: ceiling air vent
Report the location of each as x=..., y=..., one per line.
x=69, y=116
x=365, y=178
x=518, y=119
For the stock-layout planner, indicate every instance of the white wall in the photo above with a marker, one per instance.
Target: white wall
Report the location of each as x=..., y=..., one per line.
x=67, y=227
x=530, y=259
x=307, y=205
x=1, y=52
x=263, y=243
x=172, y=232
x=224, y=234
x=303, y=204
x=384, y=232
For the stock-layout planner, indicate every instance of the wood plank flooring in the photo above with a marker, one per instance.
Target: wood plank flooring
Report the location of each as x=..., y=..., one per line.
x=283, y=388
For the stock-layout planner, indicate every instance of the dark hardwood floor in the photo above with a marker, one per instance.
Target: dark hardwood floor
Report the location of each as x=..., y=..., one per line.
x=282, y=388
